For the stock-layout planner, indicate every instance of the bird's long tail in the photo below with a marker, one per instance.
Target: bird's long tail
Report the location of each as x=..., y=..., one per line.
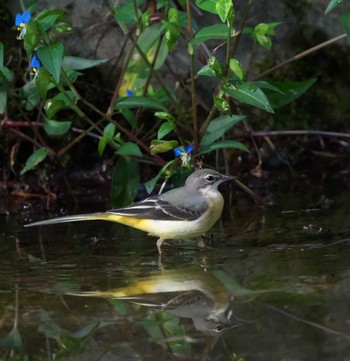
x=74, y=218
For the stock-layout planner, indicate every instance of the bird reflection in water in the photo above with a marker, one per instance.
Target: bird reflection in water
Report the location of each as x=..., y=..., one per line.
x=186, y=293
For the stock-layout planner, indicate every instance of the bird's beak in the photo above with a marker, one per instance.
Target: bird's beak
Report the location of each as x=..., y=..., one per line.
x=226, y=178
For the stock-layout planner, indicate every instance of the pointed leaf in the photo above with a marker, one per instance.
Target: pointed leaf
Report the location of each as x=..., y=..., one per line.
x=32, y=37
x=56, y=128
x=223, y=8
x=130, y=117
x=162, y=146
x=332, y=4
x=77, y=63
x=207, y=5
x=129, y=148
x=250, y=94
x=289, y=91
x=223, y=145
x=138, y=101
x=217, y=31
x=217, y=128
x=164, y=115
x=237, y=68
x=165, y=129
x=108, y=134
x=37, y=157
x=345, y=22
x=125, y=181
x=42, y=82
x=51, y=58
x=52, y=106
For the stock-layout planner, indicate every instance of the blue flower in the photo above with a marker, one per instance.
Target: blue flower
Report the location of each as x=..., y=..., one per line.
x=129, y=93
x=34, y=67
x=21, y=22
x=184, y=154
x=180, y=151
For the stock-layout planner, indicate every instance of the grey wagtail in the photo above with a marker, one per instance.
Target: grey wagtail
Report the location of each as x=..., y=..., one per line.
x=184, y=212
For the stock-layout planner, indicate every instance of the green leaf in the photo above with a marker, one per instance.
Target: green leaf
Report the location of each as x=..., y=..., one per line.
x=262, y=84
x=223, y=8
x=12, y=341
x=59, y=102
x=138, y=101
x=6, y=72
x=345, y=22
x=237, y=68
x=3, y=99
x=48, y=17
x=51, y=57
x=223, y=145
x=129, y=148
x=152, y=182
x=130, y=117
x=32, y=37
x=162, y=146
x=164, y=115
x=172, y=34
x=126, y=13
x=332, y=4
x=222, y=104
x=56, y=128
x=217, y=128
x=76, y=63
x=63, y=28
x=250, y=94
x=217, y=31
x=207, y=5
x=262, y=33
x=1, y=56
x=173, y=15
x=206, y=71
x=48, y=326
x=52, y=106
x=42, y=82
x=125, y=181
x=108, y=134
x=37, y=157
x=165, y=129
x=70, y=341
x=289, y=91
x=30, y=93
x=214, y=64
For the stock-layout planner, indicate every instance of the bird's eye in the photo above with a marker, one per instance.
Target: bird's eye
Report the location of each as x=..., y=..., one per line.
x=210, y=178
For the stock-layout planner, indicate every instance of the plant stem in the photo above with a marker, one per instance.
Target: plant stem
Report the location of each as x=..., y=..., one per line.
x=158, y=78
x=130, y=135
x=193, y=81
x=120, y=80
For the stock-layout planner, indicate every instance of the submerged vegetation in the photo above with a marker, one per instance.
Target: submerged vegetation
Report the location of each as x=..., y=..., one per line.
x=47, y=112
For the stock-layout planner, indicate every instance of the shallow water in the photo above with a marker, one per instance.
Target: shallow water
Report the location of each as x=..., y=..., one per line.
x=274, y=286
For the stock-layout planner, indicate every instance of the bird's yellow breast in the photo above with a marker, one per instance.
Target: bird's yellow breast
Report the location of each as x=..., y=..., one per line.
x=184, y=229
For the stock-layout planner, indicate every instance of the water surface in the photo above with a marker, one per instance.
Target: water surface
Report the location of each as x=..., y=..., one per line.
x=275, y=285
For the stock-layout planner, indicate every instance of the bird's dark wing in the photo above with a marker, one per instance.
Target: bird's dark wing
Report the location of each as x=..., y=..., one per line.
x=156, y=208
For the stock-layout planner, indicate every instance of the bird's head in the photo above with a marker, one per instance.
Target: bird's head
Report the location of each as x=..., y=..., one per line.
x=206, y=179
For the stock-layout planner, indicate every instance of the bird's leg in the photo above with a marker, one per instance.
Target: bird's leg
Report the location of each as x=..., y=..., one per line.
x=159, y=245
x=202, y=244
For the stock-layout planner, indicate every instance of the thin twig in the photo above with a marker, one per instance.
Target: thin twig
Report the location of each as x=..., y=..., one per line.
x=311, y=323
x=296, y=132
x=300, y=55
